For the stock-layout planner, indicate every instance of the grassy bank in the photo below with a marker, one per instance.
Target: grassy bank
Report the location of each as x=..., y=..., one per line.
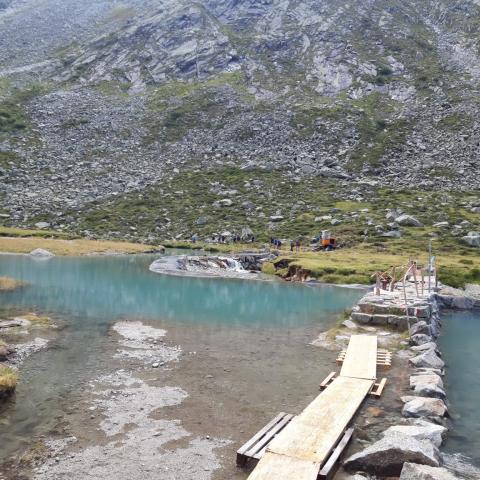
x=457, y=264
x=357, y=265
x=8, y=379
x=14, y=240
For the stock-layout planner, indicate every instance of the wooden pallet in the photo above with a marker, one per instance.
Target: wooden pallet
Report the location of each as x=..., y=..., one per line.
x=256, y=446
x=376, y=391
x=377, y=388
x=384, y=358
x=328, y=469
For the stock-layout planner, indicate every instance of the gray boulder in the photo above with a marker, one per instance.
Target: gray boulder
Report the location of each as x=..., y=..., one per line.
x=424, y=347
x=387, y=456
x=392, y=234
x=41, y=253
x=472, y=239
x=408, y=221
x=430, y=379
x=430, y=391
x=421, y=430
x=424, y=407
x=420, y=327
x=42, y=225
x=427, y=359
x=413, y=471
x=420, y=339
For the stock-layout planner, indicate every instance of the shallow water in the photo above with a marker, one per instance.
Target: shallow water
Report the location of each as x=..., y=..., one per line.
x=87, y=295
x=460, y=347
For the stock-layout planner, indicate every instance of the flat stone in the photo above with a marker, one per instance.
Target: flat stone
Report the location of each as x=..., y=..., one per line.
x=361, y=317
x=420, y=327
x=427, y=359
x=387, y=456
x=400, y=322
x=430, y=379
x=421, y=430
x=42, y=225
x=424, y=407
x=414, y=471
x=350, y=324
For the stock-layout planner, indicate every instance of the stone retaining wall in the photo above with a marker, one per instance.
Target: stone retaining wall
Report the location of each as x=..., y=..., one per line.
x=411, y=450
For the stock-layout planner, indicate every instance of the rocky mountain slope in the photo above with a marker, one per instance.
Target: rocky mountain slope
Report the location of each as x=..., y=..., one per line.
x=117, y=115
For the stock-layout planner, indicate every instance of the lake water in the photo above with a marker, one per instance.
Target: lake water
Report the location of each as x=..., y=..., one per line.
x=460, y=347
x=87, y=295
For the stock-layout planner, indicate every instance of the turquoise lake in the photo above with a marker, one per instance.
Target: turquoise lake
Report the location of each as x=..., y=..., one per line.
x=460, y=347
x=85, y=296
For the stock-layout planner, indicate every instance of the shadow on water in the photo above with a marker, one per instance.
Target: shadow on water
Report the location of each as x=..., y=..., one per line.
x=86, y=295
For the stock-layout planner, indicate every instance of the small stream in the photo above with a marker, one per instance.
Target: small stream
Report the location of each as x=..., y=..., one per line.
x=460, y=347
x=85, y=296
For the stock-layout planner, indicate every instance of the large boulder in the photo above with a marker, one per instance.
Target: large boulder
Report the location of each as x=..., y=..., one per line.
x=420, y=339
x=472, y=239
x=431, y=379
x=413, y=471
x=427, y=359
x=424, y=407
x=430, y=391
x=420, y=327
x=421, y=430
x=41, y=253
x=387, y=456
x=408, y=221
x=425, y=347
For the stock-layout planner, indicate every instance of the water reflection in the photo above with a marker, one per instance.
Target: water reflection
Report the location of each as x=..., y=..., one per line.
x=100, y=289
x=88, y=294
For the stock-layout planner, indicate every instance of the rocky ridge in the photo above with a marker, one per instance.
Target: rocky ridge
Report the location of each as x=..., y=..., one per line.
x=136, y=93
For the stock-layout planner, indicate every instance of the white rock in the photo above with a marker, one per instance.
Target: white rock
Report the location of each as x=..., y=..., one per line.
x=41, y=253
x=424, y=407
x=421, y=430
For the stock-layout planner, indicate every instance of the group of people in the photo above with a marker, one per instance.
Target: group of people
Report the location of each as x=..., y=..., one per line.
x=235, y=238
x=294, y=244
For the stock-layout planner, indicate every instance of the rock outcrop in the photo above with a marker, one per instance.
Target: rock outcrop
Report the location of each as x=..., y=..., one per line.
x=388, y=455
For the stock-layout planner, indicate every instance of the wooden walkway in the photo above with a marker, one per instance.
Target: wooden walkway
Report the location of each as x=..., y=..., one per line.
x=361, y=358
x=303, y=447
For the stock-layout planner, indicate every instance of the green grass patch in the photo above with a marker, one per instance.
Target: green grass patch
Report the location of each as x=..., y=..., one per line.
x=8, y=379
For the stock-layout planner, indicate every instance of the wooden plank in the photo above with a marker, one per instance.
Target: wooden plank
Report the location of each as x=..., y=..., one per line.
x=361, y=358
x=243, y=449
x=313, y=434
x=327, y=380
x=326, y=470
x=378, y=388
x=263, y=442
x=275, y=467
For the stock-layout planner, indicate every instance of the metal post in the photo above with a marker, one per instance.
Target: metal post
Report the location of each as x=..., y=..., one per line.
x=429, y=265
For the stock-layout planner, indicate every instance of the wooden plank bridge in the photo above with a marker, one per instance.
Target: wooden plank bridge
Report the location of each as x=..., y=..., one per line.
x=306, y=447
